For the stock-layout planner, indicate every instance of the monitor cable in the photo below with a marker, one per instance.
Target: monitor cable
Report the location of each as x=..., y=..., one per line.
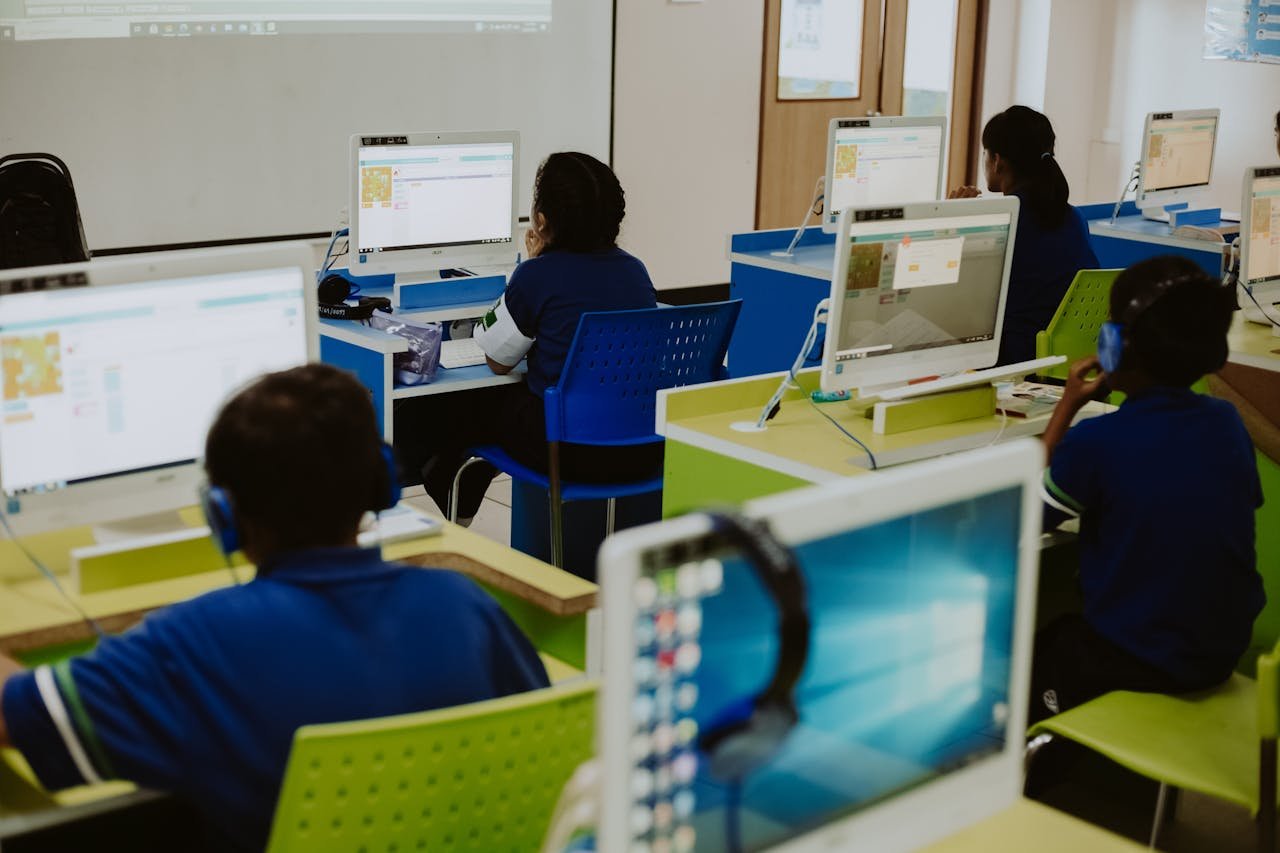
x=813, y=209
x=1130, y=186
x=51, y=577
x=790, y=380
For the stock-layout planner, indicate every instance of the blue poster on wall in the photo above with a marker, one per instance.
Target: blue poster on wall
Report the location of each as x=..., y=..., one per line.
x=1243, y=30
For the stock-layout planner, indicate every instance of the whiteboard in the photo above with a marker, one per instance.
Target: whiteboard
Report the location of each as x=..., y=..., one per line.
x=190, y=140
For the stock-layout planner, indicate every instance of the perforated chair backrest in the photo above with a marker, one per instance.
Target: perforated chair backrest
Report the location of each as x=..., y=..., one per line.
x=479, y=777
x=1073, y=331
x=39, y=215
x=620, y=360
x=1269, y=694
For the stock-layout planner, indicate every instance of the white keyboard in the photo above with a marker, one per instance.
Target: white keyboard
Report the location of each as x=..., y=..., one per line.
x=976, y=377
x=464, y=352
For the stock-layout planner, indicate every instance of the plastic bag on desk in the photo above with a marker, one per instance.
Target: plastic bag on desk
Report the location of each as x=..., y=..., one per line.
x=418, y=365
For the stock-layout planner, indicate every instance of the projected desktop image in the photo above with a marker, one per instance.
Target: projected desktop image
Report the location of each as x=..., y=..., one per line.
x=882, y=160
x=426, y=202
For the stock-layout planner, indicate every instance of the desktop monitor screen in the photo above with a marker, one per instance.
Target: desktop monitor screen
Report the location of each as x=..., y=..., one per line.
x=109, y=389
x=424, y=202
x=882, y=160
x=1260, y=232
x=917, y=291
x=919, y=599
x=1177, y=156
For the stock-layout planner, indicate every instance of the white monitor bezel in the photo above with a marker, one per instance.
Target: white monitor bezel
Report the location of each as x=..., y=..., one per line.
x=1246, y=220
x=172, y=487
x=1159, y=198
x=952, y=802
x=427, y=262
x=829, y=218
x=902, y=367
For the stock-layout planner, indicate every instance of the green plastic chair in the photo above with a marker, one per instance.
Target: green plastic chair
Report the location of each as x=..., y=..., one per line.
x=479, y=777
x=1073, y=331
x=1220, y=742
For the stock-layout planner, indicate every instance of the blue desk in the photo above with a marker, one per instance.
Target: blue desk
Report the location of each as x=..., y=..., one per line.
x=1133, y=238
x=778, y=296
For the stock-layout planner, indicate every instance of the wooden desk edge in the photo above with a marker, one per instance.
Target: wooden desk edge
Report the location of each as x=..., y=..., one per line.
x=486, y=574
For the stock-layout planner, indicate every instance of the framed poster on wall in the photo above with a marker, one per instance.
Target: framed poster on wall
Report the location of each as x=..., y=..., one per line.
x=820, y=49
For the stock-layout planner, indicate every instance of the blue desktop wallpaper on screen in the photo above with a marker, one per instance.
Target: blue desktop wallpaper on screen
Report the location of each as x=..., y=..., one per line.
x=908, y=669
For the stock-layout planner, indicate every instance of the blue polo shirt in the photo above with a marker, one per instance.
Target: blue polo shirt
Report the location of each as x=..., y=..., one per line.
x=547, y=295
x=1166, y=489
x=202, y=699
x=1045, y=261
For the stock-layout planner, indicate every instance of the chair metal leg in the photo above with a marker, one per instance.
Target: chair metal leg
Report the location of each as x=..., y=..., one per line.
x=610, y=516
x=452, y=509
x=557, y=504
x=1031, y=750
x=1162, y=800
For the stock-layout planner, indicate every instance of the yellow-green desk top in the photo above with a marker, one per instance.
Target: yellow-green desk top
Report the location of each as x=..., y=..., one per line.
x=1027, y=825
x=34, y=616
x=800, y=442
x=1253, y=345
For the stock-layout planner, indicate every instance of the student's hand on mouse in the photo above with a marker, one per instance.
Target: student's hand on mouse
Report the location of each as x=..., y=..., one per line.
x=1085, y=381
x=964, y=192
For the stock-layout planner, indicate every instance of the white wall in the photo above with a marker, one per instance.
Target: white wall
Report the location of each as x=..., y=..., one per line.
x=1099, y=66
x=686, y=131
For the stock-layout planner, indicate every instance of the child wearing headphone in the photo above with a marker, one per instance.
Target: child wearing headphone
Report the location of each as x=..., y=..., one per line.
x=202, y=699
x=1165, y=489
x=573, y=266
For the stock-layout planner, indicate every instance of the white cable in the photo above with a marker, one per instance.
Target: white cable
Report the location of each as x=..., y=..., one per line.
x=808, y=211
x=809, y=339
x=1004, y=422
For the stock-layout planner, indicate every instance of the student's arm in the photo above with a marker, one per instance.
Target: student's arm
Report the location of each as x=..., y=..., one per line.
x=498, y=367
x=506, y=333
x=1079, y=391
x=8, y=668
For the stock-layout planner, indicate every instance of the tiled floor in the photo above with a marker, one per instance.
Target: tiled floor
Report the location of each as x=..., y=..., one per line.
x=493, y=520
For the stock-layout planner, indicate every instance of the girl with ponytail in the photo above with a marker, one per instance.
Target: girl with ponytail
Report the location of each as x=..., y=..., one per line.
x=1052, y=242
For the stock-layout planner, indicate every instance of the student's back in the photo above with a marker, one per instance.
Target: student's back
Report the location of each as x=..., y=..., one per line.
x=221, y=683
x=1052, y=240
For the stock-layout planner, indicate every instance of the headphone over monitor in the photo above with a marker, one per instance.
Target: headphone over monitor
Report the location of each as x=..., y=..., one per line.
x=220, y=515
x=747, y=735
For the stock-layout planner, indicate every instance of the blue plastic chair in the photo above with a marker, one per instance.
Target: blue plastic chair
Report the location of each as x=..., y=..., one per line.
x=607, y=396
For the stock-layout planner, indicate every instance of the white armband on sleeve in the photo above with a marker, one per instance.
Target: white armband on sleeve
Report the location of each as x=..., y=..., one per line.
x=499, y=336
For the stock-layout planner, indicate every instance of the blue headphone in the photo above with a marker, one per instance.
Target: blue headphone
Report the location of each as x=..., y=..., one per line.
x=219, y=511
x=1113, y=337
x=748, y=734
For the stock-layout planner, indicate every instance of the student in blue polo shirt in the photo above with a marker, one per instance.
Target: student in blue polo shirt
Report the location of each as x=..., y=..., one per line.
x=202, y=699
x=1165, y=488
x=1052, y=242
x=573, y=266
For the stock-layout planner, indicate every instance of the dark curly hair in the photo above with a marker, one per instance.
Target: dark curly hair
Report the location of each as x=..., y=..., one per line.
x=1182, y=335
x=582, y=201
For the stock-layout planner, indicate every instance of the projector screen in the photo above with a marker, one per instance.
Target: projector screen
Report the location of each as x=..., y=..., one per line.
x=187, y=135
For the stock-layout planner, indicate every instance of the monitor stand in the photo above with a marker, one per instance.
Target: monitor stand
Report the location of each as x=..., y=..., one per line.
x=1176, y=215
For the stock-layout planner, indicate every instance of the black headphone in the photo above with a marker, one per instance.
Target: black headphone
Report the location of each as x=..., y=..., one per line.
x=748, y=734
x=1115, y=336
x=332, y=293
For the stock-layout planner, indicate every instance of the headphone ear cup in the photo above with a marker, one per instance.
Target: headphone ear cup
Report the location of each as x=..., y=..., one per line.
x=333, y=290
x=392, y=495
x=219, y=514
x=1110, y=346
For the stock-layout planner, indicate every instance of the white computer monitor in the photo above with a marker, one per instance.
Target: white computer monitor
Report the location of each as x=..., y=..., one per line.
x=917, y=290
x=1176, y=162
x=883, y=160
x=1260, y=242
x=113, y=370
x=424, y=202
x=912, y=698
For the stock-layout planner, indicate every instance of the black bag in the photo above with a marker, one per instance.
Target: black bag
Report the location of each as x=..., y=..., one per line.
x=39, y=217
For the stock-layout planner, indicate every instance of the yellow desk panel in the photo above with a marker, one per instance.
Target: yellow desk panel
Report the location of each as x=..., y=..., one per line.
x=1253, y=345
x=1027, y=826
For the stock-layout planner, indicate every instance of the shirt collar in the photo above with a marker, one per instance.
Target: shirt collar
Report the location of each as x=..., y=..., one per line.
x=324, y=565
